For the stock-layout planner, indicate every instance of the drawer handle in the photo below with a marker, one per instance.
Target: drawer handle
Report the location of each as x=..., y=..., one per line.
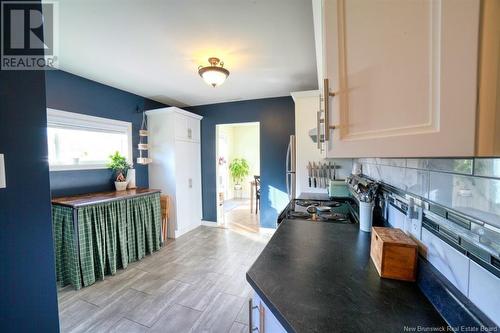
x=262, y=313
x=251, y=307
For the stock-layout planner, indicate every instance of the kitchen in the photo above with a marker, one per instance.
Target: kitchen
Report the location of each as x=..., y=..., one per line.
x=379, y=170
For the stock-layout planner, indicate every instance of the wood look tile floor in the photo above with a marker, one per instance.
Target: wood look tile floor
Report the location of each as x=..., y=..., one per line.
x=195, y=283
x=238, y=216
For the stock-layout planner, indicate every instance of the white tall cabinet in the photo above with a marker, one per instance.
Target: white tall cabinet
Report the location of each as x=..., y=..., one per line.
x=403, y=74
x=174, y=146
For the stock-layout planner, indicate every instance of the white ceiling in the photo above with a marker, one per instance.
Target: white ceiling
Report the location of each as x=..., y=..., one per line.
x=153, y=48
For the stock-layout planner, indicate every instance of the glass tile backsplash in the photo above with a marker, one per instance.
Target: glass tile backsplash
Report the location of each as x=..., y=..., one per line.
x=468, y=185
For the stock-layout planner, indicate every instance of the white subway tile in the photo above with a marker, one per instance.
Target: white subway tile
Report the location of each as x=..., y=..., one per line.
x=451, y=263
x=484, y=291
x=396, y=218
x=474, y=196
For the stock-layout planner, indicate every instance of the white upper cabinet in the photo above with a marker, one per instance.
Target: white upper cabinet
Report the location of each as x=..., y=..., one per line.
x=403, y=74
x=187, y=126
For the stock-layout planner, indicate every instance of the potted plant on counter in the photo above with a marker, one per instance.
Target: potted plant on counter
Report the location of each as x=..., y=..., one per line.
x=239, y=170
x=119, y=165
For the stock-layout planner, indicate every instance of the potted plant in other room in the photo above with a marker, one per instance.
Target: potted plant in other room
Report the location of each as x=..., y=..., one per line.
x=239, y=169
x=119, y=165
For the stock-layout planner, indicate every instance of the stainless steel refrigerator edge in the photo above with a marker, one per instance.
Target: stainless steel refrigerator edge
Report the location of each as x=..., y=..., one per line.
x=290, y=168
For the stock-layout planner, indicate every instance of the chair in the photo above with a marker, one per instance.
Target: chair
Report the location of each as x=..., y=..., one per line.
x=165, y=213
x=257, y=193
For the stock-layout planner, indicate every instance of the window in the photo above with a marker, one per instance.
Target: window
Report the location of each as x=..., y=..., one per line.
x=79, y=141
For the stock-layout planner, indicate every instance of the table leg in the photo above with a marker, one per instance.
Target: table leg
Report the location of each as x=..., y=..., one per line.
x=251, y=197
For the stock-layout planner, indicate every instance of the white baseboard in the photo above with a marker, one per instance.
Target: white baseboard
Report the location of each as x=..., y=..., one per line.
x=181, y=232
x=209, y=223
x=267, y=231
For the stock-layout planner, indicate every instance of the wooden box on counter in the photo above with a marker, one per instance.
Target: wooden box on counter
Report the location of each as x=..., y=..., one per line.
x=394, y=254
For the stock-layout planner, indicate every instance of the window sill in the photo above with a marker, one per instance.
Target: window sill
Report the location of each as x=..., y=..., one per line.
x=76, y=167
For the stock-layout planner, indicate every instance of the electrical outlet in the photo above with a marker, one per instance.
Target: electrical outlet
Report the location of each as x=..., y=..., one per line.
x=2, y=172
x=416, y=224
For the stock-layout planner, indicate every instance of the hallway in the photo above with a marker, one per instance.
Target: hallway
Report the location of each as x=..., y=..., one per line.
x=238, y=216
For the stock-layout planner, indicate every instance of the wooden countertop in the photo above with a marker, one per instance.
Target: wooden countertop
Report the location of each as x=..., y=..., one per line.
x=80, y=200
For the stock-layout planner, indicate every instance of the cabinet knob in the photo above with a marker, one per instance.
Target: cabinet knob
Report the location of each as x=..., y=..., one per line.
x=190, y=133
x=190, y=183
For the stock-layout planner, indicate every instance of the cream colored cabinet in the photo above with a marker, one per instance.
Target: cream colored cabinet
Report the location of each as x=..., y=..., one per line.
x=403, y=74
x=488, y=119
x=176, y=168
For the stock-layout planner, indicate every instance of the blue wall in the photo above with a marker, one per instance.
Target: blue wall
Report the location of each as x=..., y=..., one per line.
x=28, y=301
x=277, y=123
x=72, y=93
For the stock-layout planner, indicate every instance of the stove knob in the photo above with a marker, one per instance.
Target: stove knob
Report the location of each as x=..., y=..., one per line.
x=312, y=209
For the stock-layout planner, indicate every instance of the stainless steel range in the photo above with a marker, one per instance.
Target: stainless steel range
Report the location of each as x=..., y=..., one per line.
x=330, y=211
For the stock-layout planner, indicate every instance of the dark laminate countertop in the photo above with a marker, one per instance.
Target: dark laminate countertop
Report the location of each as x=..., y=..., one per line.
x=318, y=277
x=81, y=200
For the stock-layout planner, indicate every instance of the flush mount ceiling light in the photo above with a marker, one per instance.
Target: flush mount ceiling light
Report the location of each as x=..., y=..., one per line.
x=215, y=74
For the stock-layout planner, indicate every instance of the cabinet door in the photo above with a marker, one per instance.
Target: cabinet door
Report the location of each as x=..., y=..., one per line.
x=404, y=73
x=183, y=160
x=263, y=320
x=181, y=127
x=195, y=189
x=193, y=129
x=187, y=128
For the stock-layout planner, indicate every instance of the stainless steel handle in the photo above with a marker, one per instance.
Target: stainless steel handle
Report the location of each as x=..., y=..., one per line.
x=287, y=172
x=288, y=150
x=318, y=129
x=326, y=98
x=251, y=329
x=262, y=324
x=287, y=185
x=292, y=166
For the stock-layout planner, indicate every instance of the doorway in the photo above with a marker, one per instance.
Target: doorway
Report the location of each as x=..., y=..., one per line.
x=238, y=176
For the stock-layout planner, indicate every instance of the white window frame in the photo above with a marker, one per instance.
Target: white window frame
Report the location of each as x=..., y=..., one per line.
x=65, y=119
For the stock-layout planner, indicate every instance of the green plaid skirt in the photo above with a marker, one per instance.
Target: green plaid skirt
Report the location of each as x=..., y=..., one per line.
x=110, y=236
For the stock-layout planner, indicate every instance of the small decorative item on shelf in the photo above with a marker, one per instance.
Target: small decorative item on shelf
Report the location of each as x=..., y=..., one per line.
x=120, y=166
x=131, y=178
x=143, y=146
